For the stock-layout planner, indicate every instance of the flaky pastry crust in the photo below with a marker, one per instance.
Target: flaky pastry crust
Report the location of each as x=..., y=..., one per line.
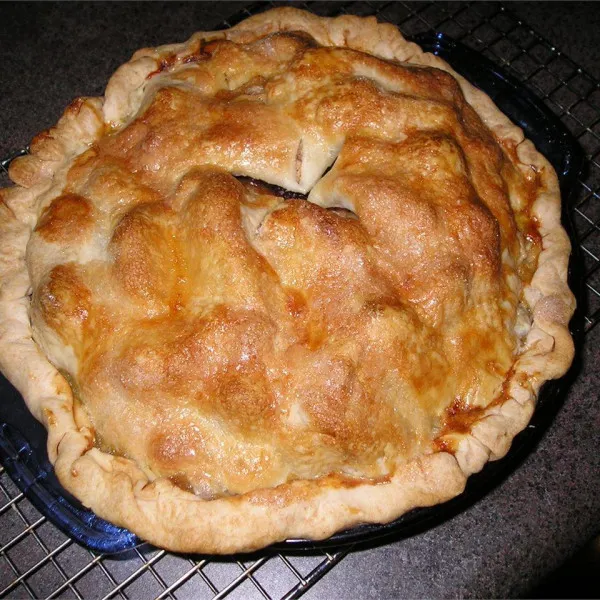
x=73, y=276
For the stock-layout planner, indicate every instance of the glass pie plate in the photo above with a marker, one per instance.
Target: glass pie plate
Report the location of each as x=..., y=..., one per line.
x=23, y=439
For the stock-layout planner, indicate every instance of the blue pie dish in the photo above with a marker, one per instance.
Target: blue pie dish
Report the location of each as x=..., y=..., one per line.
x=23, y=439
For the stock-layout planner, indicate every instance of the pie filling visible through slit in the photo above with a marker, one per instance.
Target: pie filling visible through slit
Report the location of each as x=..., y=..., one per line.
x=285, y=261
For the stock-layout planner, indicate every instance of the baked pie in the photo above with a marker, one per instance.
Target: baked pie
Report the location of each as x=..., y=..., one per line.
x=280, y=280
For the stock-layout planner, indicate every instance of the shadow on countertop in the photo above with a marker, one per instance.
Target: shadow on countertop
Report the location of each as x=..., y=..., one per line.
x=578, y=577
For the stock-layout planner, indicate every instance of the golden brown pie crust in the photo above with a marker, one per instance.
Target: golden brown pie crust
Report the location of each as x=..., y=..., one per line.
x=269, y=364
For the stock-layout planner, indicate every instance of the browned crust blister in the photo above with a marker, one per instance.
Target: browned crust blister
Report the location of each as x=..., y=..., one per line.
x=115, y=488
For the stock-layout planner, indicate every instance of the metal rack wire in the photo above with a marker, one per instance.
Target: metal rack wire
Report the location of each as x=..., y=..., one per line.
x=37, y=560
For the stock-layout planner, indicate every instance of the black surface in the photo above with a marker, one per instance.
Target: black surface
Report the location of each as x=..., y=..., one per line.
x=544, y=511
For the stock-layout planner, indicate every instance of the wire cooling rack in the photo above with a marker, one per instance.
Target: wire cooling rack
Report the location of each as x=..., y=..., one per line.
x=37, y=560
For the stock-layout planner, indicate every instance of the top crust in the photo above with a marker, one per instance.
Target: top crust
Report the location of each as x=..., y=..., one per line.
x=48, y=215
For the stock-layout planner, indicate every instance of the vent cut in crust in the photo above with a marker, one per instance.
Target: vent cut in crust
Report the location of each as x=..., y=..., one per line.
x=280, y=280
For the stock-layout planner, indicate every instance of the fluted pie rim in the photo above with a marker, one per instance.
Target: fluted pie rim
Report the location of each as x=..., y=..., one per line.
x=115, y=488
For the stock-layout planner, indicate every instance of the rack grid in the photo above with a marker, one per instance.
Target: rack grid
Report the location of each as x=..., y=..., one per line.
x=37, y=560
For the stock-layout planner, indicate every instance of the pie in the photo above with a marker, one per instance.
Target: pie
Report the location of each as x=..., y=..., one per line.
x=280, y=280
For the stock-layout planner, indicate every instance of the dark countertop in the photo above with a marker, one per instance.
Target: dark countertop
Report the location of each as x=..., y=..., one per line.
x=549, y=507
